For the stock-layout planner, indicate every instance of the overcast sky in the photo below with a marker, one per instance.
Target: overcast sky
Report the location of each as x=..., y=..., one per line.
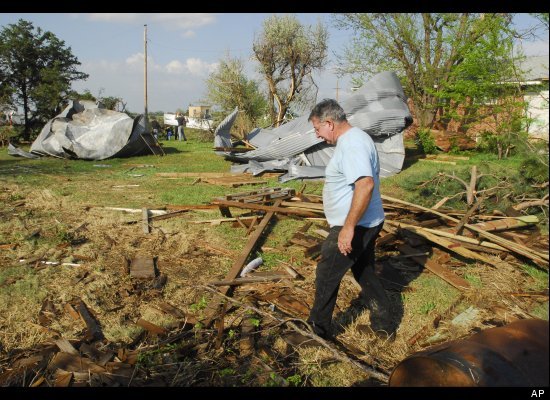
x=182, y=50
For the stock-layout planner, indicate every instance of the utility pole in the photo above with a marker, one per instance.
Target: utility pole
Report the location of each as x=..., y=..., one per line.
x=337, y=89
x=145, y=68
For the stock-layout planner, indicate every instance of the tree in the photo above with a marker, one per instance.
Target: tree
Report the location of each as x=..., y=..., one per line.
x=39, y=69
x=228, y=87
x=542, y=18
x=288, y=53
x=424, y=49
x=484, y=90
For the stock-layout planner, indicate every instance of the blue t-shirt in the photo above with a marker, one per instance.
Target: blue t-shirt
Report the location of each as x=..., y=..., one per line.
x=354, y=156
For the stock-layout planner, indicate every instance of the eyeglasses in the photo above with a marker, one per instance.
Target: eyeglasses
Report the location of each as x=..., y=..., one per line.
x=321, y=124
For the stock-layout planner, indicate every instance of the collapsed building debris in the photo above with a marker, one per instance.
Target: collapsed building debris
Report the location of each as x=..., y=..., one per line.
x=272, y=303
x=86, y=131
x=379, y=108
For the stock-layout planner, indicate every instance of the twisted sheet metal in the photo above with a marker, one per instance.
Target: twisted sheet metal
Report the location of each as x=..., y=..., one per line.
x=379, y=108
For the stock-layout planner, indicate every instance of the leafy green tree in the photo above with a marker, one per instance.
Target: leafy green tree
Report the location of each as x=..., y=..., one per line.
x=228, y=87
x=86, y=95
x=39, y=69
x=288, y=53
x=113, y=103
x=542, y=17
x=424, y=49
x=484, y=89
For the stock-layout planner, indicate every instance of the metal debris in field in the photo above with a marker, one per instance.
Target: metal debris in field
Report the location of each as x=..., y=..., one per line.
x=379, y=108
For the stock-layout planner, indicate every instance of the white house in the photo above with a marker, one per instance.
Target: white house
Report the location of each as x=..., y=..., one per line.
x=535, y=86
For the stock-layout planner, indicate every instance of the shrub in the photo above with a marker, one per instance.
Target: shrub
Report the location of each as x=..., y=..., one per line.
x=426, y=141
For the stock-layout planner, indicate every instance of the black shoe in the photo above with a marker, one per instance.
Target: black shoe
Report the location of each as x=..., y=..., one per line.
x=379, y=333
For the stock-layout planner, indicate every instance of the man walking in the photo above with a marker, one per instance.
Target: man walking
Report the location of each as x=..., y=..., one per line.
x=353, y=208
x=181, y=124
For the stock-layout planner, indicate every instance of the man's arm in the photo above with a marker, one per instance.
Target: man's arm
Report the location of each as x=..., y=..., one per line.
x=362, y=194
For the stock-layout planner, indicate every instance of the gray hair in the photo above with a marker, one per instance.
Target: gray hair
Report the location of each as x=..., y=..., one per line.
x=328, y=108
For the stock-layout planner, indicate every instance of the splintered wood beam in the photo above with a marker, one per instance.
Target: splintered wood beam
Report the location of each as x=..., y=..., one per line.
x=274, y=208
x=538, y=257
x=454, y=247
x=251, y=279
x=239, y=262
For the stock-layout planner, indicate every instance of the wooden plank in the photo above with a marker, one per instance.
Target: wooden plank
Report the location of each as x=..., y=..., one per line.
x=150, y=327
x=145, y=220
x=190, y=207
x=234, y=181
x=437, y=161
x=246, y=342
x=135, y=210
x=72, y=312
x=142, y=267
x=541, y=258
x=440, y=203
x=433, y=266
x=260, y=195
x=304, y=204
x=291, y=271
x=63, y=378
x=220, y=220
x=447, y=157
x=195, y=174
x=170, y=309
x=273, y=208
x=252, y=225
x=322, y=232
x=72, y=363
x=220, y=323
x=251, y=279
x=454, y=247
x=66, y=346
x=239, y=262
x=94, y=331
x=98, y=356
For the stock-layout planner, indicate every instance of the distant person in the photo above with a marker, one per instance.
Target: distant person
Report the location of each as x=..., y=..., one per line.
x=155, y=126
x=182, y=123
x=168, y=133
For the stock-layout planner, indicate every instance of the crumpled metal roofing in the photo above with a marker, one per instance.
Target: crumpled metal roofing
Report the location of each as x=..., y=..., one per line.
x=379, y=108
x=85, y=131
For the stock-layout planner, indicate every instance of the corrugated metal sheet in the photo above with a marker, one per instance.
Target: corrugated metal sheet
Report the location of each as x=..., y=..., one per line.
x=379, y=108
x=85, y=131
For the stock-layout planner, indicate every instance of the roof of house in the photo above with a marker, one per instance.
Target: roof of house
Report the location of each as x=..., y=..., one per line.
x=535, y=68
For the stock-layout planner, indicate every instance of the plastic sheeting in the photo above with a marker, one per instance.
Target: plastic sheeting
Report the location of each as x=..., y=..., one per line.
x=379, y=108
x=85, y=131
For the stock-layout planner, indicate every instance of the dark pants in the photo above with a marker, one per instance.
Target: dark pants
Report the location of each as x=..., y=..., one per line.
x=332, y=268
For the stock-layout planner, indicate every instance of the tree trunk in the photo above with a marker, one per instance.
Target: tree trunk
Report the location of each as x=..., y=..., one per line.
x=281, y=115
x=26, y=131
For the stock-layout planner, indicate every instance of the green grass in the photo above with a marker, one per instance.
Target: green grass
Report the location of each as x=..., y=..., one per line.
x=76, y=185
x=540, y=278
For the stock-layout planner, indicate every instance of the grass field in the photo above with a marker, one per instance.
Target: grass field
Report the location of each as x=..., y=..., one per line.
x=54, y=209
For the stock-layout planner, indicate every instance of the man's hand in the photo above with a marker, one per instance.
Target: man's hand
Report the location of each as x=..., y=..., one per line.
x=344, y=240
